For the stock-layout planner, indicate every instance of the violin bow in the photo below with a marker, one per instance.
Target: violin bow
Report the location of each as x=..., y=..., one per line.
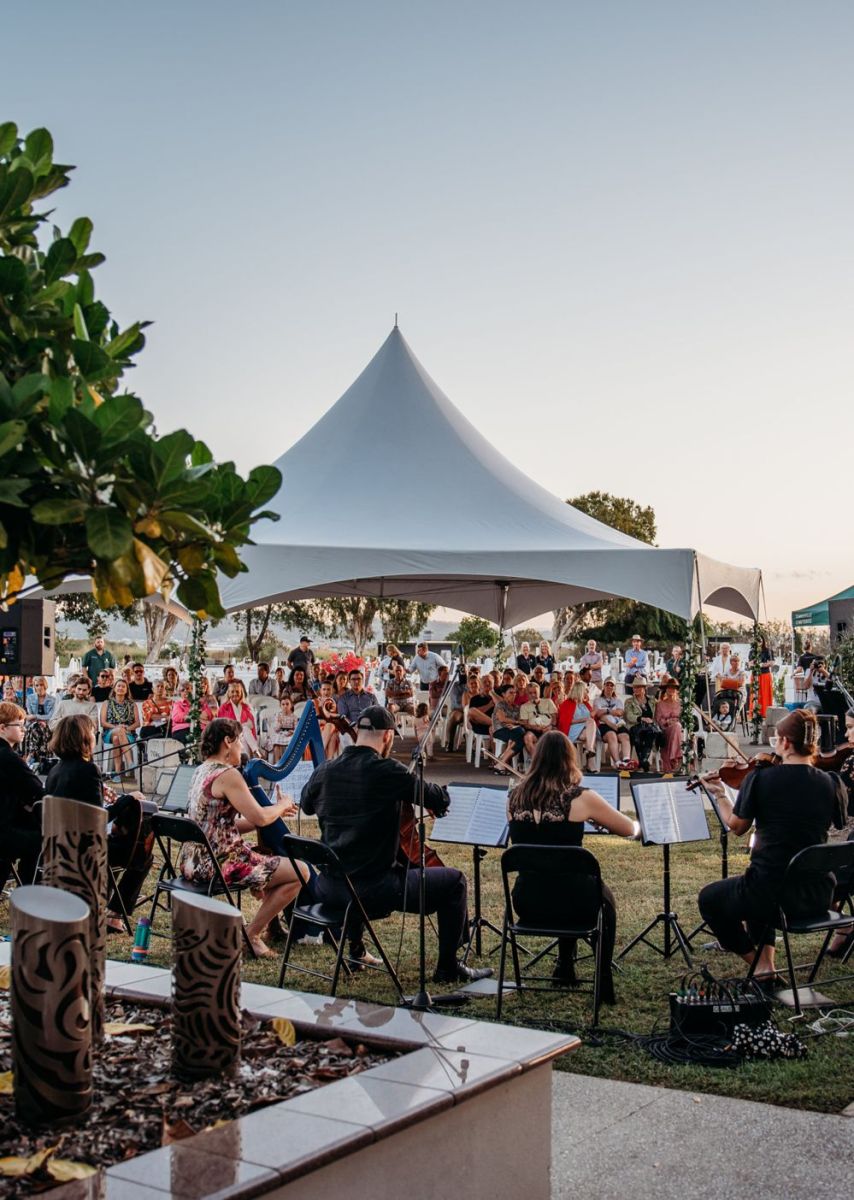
x=506, y=766
x=709, y=720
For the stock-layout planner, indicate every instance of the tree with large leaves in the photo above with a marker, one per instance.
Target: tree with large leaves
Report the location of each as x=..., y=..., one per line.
x=86, y=484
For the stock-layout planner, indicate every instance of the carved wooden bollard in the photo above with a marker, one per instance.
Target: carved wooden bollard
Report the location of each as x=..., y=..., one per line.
x=51, y=1014
x=75, y=860
x=205, y=985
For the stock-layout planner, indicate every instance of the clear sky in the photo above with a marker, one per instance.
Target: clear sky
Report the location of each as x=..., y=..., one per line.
x=619, y=235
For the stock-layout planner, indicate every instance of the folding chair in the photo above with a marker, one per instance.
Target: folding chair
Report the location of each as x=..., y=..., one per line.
x=183, y=831
x=835, y=857
x=332, y=921
x=559, y=863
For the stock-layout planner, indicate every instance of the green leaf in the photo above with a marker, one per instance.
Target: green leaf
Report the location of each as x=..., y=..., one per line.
x=80, y=233
x=201, y=455
x=119, y=416
x=263, y=483
x=4, y=537
x=84, y=435
x=91, y=359
x=10, y=491
x=80, y=324
x=54, y=291
x=13, y=276
x=187, y=522
x=61, y=398
x=126, y=343
x=8, y=137
x=59, y=260
x=108, y=533
x=85, y=288
x=39, y=148
x=30, y=385
x=15, y=189
x=201, y=594
x=87, y=261
x=11, y=434
x=59, y=511
x=172, y=453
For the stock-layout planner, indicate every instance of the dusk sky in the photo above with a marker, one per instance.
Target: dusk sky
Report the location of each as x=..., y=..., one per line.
x=620, y=236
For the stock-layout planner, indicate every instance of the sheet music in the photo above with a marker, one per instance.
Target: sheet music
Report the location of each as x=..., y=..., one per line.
x=477, y=817
x=669, y=813
x=178, y=797
x=608, y=787
x=295, y=780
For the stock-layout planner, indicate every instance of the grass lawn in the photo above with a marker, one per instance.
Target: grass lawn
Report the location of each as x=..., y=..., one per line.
x=823, y=1081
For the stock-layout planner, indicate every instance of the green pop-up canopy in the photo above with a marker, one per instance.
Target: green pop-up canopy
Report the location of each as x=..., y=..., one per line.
x=819, y=614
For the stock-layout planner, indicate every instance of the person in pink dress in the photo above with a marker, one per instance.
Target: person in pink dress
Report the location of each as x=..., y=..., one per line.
x=668, y=713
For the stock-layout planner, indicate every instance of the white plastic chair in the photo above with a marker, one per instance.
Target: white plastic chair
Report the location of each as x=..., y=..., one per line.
x=475, y=741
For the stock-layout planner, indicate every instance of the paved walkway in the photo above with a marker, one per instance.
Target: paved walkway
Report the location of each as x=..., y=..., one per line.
x=628, y=1141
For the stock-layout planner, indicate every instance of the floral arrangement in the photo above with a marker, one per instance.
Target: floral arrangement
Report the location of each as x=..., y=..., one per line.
x=687, y=681
x=341, y=662
x=198, y=650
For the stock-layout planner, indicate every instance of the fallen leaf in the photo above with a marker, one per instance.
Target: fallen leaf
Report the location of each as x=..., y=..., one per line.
x=5, y=976
x=16, y=1167
x=5, y=1083
x=63, y=1170
x=176, y=1132
x=339, y=1046
x=114, y=1028
x=284, y=1031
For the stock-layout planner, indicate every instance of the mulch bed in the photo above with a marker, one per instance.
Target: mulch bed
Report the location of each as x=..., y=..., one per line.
x=139, y=1106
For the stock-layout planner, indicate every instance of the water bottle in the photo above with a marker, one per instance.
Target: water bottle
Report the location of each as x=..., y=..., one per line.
x=141, y=940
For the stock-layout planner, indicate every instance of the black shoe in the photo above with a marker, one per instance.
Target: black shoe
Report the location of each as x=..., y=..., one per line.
x=461, y=974
x=564, y=972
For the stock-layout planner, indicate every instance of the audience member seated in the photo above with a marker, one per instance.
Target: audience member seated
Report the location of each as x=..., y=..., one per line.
x=140, y=687
x=481, y=704
x=298, y=688
x=355, y=700
x=545, y=659
x=340, y=683
x=506, y=727
x=676, y=664
x=120, y=722
x=525, y=659
x=668, y=711
x=732, y=679
x=263, y=685
x=436, y=690
x=537, y=714
x=636, y=660
x=221, y=803
x=20, y=820
x=101, y=690
x=575, y=720
x=609, y=713
x=519, y=691
x=10, y=693
x=77, y=777
x=282, y=730
x=540, y=679
x=80, y=703
x=640, y=717
x=392, y=655
x=156, y=711
x=725, y=719
x=399, y=696
x=595, y=660
x=461, y=693
x=172, y=681
x=554, y=690
x=426, y=663
x=549, y=807
x=279, y=682
x=39, y=710
x=222, y=685
x=235, y=708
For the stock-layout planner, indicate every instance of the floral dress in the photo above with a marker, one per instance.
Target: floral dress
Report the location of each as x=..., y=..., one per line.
x=239, y=863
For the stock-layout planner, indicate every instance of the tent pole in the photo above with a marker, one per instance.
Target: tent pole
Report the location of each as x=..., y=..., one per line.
x=703, y=641
x=502, y=613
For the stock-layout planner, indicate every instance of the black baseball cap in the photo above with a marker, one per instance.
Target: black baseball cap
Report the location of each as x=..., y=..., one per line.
x=303, y=637
x=376, y=717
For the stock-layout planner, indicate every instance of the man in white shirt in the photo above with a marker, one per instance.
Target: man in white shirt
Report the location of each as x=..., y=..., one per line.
x=427, y=663
x=721, y=663
x=263, y=685
x=79, y=703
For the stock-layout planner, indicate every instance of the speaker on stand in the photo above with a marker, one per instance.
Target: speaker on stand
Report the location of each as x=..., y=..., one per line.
x=28, y=638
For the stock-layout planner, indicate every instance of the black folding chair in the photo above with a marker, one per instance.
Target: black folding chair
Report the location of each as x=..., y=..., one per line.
x=560, y=864
x=832, y=857
x=332, y=921
x=184, y=832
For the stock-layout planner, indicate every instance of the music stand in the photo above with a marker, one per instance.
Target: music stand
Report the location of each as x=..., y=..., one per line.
x=607, y=784
x=724, y=840
x=477, y=818
x=669, y=813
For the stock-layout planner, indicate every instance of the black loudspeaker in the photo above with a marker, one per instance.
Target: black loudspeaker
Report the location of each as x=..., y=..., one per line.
x=28, y=638
x=841, y=620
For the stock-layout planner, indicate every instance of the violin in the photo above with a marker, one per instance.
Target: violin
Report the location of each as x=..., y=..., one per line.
x=832, y=760
x=408, y=849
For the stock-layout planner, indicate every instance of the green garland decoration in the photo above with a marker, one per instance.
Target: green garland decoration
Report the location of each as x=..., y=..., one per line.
x=687, y=683
x=757, y=721
x=198, y=651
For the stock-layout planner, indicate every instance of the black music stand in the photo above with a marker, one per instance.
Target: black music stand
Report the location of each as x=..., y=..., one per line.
x=724, y=840
x=477, y=818
x=669, y=814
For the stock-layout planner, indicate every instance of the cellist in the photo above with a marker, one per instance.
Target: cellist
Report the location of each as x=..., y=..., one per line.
x=792, y=805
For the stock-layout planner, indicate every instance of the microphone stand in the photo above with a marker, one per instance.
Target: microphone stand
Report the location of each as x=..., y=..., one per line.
x=422, y=1001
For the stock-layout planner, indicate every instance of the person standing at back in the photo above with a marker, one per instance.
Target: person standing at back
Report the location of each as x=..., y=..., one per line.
x=96, y=659
x=302, y=657
x=427, y=663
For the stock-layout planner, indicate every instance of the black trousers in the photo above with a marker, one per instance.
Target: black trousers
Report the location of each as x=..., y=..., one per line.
x=645, y=738
x=22, y=847
x=542, y=906
x=397, y=891
x=742, y=911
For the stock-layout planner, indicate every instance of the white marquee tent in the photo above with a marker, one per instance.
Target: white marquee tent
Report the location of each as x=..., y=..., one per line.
x=394, y=493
